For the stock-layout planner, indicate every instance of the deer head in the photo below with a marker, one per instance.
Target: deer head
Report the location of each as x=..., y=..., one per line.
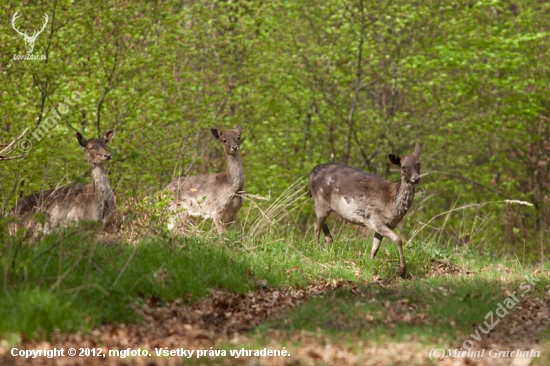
x=230, y=139
x=96, y=151
x=29, y=40
x=410, y=165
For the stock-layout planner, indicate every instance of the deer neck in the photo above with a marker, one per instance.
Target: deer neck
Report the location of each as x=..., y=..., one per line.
x=235, y=172
x=404, y=196
x=103, y=194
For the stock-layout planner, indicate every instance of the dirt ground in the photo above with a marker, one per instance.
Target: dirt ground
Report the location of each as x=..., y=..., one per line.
x=223, y=318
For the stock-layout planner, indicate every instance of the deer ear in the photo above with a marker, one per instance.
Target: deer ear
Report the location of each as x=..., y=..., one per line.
x=239, y=129
x=395, y=159
x=216, y=133
x=81, y=140
x=108, y=136
x=416, y=150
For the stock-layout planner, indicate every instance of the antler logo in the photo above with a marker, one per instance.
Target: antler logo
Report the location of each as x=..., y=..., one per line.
x=29, y=40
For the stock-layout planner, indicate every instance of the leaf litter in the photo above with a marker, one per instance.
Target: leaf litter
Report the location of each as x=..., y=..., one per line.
x=222, y=319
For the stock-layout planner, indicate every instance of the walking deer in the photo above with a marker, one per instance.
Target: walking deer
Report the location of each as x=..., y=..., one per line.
x=365, y=199
x=213, y=196
x=89, y=202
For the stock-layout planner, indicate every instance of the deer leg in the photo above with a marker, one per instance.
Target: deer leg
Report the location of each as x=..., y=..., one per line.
x=375, y=244
x=388, y=233
x=317, y=229
x=171, y=225
x=172, y=217
x=218, y=219
x=328, y=237
x=321, y=215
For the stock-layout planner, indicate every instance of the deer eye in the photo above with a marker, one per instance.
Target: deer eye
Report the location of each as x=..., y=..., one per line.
x=224, y=141
x=238, y=138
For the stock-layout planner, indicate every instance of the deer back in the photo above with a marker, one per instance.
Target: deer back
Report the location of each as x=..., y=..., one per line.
x=92, y=202
x=361, y=197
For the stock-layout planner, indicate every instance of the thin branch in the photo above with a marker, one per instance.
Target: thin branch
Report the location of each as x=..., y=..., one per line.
x=502, y=194
x=10, y=148
x=109, y=74
x=52, y=28
x=43, y=96
x=44, y=88
x=98, y=122
x=357, y=87
x=107, y=89
x=218, y=112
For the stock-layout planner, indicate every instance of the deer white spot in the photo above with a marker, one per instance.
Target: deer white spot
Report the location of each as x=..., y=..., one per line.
x=204, y=215
x=329, y=180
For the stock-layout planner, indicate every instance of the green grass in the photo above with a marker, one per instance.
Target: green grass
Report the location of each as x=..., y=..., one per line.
x=73, y=280
x=437, y=310
x=70, y=273
x=382, y=312
x=34, y=311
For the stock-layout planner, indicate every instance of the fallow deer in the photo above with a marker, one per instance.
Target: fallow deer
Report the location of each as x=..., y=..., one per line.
x=365, y=199
x=89, y=202
x=215, y=196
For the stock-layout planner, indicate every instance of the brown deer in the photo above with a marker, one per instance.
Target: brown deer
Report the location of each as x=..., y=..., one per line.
x=365, y=199
x=90, y=202
x=215, y=196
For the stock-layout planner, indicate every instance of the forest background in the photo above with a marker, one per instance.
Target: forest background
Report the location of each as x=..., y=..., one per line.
x=309, y=82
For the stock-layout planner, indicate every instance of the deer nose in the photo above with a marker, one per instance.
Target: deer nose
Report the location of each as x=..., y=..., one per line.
x=107, y=156
x=415, y=179
x=234, y=147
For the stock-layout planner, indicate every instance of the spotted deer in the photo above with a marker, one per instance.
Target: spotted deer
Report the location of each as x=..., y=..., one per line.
x=88, y=202
x=365, y=199
x=215, y=196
